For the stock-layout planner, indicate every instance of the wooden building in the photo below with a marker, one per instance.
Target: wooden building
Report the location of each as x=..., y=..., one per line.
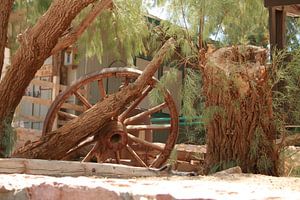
x=278, y=11
x=55, y=76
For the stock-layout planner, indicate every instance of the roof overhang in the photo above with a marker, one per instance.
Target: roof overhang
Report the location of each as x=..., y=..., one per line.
x=291, y=7
x=271, y=3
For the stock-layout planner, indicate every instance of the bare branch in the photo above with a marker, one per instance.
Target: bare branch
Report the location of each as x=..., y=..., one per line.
x=74, y=34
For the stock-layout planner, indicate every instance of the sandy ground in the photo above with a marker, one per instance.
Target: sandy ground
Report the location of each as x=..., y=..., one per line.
x=224, y=186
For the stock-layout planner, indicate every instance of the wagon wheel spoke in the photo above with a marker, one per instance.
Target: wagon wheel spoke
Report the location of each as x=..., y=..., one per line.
x=135, y=103
x=83, y=143
x=65, y=115
x=118, y=157
x=145, y=143
x=83, y=99
x=101, y=88
x=148, y=127
x=145, y=113
x=91, y=153
x=135, y=156
x=154, y=162
x=126, y=81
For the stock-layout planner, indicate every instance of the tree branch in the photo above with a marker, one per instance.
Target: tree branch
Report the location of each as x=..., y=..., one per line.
x=5, y=10
x=36, y=45
x=72, y=36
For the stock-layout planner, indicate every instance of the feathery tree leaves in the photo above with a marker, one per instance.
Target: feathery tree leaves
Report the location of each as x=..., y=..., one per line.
x=119, y=31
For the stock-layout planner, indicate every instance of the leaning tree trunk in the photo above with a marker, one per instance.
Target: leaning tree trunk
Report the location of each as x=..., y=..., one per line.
x=240, y=126
x=93, y=121
x=46, y=37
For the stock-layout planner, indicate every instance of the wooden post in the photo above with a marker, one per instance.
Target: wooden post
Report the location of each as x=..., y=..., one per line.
x=58, y=62
x=277, y=27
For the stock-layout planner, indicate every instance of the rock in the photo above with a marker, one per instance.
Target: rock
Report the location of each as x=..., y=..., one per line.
x=233, y=170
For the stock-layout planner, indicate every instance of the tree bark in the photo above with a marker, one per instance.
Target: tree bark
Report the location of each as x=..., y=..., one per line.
x=240, y=127
x=36, y=44
x=93, y=121
x=5, y=10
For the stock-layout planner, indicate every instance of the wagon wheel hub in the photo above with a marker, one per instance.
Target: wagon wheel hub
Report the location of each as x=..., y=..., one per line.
x=116, y=137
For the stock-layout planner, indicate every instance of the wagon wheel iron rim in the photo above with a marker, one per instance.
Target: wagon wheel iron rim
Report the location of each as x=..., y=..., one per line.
x=75, y=91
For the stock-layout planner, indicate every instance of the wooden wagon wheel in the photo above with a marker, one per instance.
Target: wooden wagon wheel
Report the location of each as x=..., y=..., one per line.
x=122, y=141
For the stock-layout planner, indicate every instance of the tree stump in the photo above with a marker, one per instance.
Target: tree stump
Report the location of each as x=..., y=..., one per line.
x=240, y=126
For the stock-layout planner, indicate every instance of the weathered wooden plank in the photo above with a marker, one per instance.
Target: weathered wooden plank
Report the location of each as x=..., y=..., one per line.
x=48, y=102
x=70, y=168
x=292, y=126
x=148, y=127
x=47, y=84
x=45, y=70
x=32, y=118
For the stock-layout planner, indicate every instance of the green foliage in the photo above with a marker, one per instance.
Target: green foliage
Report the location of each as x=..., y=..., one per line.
x=192, y=102
x=25, y=14
x=156, y=95
x=8, y=140
x=246, y=23
x=231, y=21
x=293, y=29
x=173, y=157
x=119, y=32
x=264, y=163
x=254, y=147
x=295, y=172
x=285, y=78
x=192, y=134
x=192, y=108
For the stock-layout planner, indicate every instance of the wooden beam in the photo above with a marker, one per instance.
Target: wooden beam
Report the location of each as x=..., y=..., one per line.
x=47, y=84
x=292, y=126
x=270, y=3
x=272, y=27
x=292, y=11
x=148, y=127
x=32, y=118
x=280, y=16
x=70, y=168
x=277, y=27
x=48, y=102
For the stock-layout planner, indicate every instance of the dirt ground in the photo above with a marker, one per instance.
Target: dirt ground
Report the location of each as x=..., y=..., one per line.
x=218, y=186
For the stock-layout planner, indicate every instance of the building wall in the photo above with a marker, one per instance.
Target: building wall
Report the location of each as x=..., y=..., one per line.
x=88, y=65
x=84, y=66
x=6, y=62
x=30, y=109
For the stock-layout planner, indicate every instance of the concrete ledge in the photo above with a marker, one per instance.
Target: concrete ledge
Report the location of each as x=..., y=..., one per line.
x=234, y=186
